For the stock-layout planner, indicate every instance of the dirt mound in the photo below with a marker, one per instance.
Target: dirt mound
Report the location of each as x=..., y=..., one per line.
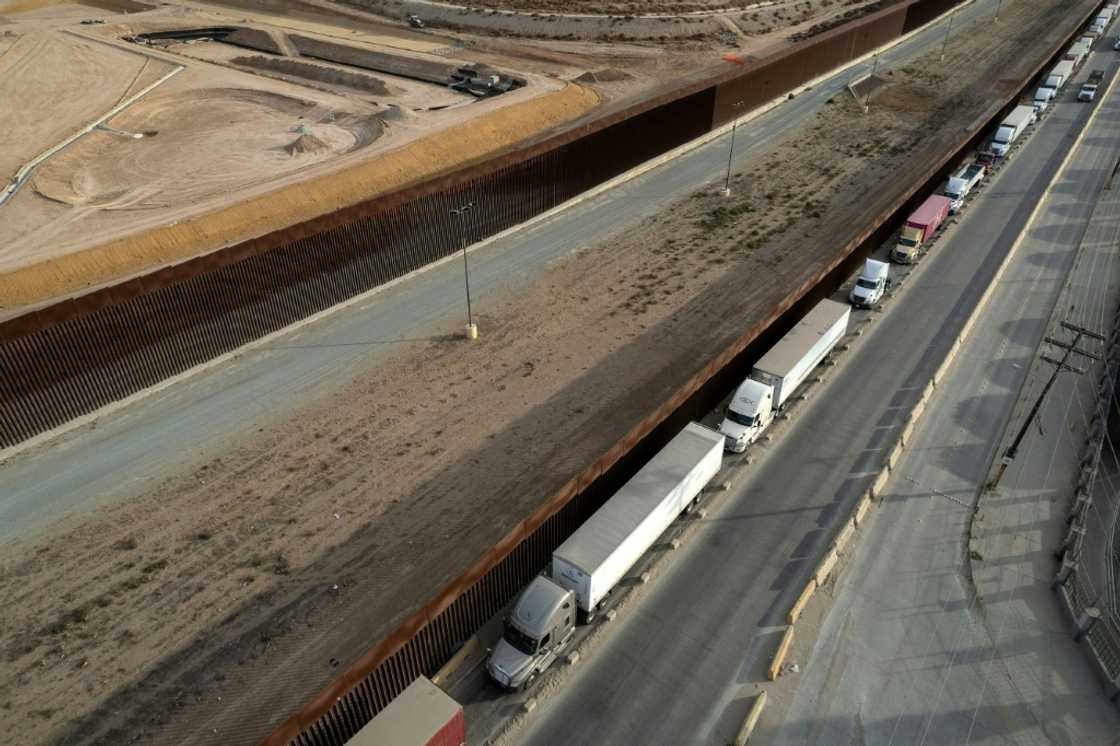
x=305, y=143
x=606, y=75
x=306, y=71
x=251, y=38
x=246, y=126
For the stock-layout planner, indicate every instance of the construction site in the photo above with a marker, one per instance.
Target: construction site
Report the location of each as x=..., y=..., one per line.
x=190, y=179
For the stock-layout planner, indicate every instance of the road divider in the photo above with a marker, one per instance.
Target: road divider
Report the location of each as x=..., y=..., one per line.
x=780, y=656
x=751, y=721
x=802, y=601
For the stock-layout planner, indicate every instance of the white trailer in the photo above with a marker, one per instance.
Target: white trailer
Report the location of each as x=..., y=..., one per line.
x=1013, y=126
x=803, y=347
x=600, y=553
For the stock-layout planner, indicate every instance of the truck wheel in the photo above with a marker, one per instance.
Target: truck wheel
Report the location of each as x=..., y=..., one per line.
x=530, y=681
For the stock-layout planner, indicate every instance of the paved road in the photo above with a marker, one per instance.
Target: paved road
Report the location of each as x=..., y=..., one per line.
x=908, y=653
x=188, y=422
x=681, y=667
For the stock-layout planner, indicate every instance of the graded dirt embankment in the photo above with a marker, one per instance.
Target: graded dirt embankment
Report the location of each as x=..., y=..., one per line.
x=501, y=126
x=232, y=594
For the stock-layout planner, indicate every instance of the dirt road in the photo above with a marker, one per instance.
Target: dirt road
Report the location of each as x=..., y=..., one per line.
x=257, y=576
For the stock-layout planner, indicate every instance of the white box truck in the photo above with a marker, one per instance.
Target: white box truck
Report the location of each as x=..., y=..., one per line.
x=780, y=371
x=1077, y=54
x=1011, y=127
x=1058, y=76
x=587, y=566
x=961, y=183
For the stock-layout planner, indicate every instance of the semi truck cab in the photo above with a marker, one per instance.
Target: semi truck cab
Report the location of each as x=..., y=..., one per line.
x=539, y=627
x=750, y=411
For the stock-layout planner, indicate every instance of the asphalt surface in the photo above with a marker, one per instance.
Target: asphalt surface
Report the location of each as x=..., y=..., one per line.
x=934, y=639
x=126, y=451
x=681, y=666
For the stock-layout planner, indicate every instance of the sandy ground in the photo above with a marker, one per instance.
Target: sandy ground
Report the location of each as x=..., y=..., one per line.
x=215, y=136
x=221, y=578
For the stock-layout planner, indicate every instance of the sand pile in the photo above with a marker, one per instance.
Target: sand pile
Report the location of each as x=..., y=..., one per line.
x=305, y=143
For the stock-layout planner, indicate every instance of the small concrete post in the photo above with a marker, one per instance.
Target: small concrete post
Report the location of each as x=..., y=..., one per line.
x=1075, y=534
x=1068, y=568
x=1085, y=622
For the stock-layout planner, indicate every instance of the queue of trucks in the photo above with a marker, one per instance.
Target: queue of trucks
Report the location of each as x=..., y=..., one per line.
x=589, y=565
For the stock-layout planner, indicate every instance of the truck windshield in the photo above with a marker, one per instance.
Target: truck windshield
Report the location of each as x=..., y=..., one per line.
x=906, y=242
x=520, y=640
x=741, y=419
x=953, y=195
x=863, y=283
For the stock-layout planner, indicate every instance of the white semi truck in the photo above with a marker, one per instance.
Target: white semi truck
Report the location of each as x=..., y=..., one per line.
x=780, y=371
x=1013, y=125
x=587, y=566
x=1058, y=76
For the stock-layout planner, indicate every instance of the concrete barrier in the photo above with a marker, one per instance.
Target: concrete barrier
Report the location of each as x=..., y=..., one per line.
x=825, y=567
x=802, y=601
x=749, y=724
x=861, y=508
x=780, y=656
x=880, y=484
x=845, y=536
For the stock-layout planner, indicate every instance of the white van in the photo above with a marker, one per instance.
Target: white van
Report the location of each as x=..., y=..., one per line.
x=870, y=285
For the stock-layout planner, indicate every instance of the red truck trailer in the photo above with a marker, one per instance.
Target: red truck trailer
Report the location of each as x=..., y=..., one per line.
x=920, y=227
x=421, y=715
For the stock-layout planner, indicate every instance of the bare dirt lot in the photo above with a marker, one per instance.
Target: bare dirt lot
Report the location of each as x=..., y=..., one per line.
x=211, y=135
x=230, y=595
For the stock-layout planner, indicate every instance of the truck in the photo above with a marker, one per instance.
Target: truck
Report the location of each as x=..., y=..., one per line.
x=872, y=282
x=1089, y=88
x=591, y=562
x=421, y=715
x=920, y=227
x=1057, y=77
x=1013, y=125
x=1077, y=54
x=961, y=183
x=779, y=372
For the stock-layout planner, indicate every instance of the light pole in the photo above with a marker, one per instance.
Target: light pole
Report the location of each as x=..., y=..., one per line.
x=461, y=213
x=731, y=151
x=999, y=5
x=948, y=29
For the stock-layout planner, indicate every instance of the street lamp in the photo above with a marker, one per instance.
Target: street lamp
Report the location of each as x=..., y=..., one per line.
x=731, y=151
x=948, y=29
x=461, y=213
x=999, y=5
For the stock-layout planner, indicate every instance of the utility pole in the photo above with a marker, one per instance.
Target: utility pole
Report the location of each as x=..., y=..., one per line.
x=731, y=151
x=460, y=213
x=1059, y=365
x=948, y=29
x=999, y=4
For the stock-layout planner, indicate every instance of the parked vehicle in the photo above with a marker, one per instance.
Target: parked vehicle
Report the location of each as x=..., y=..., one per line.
x=987, y=159
x=1088, y=90
x=1077, y=54
x=1013, y=125
x=415, y=21
x=1116, y=45
x=587, y=566
x=781, y=370
x=920, y=227
x=872, y=282
x=421, y=715
x=961, y=183
x=1055, y=80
